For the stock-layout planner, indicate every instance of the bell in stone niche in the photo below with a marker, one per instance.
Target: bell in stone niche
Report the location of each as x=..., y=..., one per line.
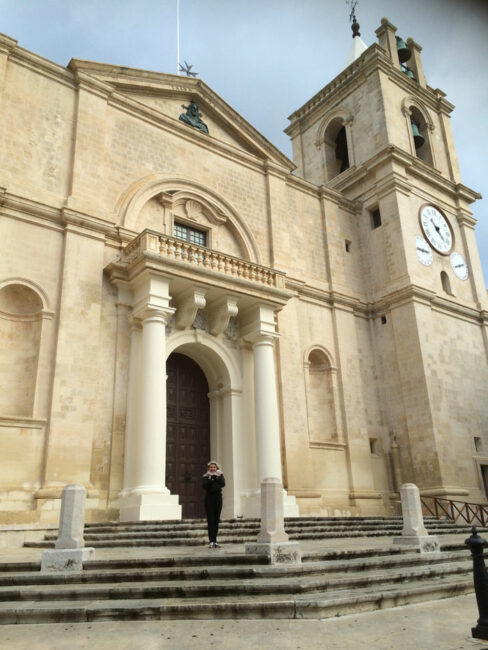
x=418, y=138
x=403, y=52
x=409, y=72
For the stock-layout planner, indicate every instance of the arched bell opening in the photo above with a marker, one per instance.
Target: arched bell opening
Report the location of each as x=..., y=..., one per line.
x=420, y=135
x=337, y=158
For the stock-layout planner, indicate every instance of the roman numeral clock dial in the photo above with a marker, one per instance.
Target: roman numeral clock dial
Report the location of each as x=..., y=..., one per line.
x=424, y=253
x=459, y=266
x=436, y=229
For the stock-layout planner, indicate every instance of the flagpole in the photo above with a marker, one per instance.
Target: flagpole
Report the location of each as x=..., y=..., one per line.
x=177, y=36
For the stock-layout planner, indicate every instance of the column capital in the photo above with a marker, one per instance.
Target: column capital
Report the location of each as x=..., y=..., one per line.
x=152, y=313
x=262, y=338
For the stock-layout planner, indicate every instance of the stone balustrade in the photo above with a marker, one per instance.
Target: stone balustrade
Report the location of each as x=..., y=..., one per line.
x=182, y=251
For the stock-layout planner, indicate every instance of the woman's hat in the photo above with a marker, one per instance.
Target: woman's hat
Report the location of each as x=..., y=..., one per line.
x=213, y=462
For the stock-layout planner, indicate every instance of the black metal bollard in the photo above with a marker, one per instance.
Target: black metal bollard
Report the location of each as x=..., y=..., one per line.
x=480, y=578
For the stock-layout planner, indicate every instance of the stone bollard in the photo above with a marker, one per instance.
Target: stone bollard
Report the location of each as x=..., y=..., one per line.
x=70, y=551
x=414, y=532
x=272, y=540
x=480, y=579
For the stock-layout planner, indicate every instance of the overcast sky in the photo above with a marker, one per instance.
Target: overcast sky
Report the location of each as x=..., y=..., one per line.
x=268, y=57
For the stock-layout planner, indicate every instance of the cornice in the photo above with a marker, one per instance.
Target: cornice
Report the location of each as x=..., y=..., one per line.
x=420, y=295
x=39, y=64
x=30, y=207
x=375, y=58
x=87, y=82
x=7, y=44
x=87, y=221
x=397, y=182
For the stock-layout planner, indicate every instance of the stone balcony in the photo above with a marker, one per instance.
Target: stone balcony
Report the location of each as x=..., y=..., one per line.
x=185, y=265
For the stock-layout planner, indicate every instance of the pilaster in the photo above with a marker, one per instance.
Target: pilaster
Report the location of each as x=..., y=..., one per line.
x=73, y=419
x=89, y=149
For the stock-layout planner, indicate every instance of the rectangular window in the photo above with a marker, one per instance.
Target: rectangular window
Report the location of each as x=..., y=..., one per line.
x=192, y=235
x=347, y=244
x=375, y=218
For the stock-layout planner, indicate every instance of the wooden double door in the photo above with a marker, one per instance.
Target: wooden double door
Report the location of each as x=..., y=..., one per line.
x=187, y=433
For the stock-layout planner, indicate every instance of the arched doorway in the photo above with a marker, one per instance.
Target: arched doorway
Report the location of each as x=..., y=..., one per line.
x=188, y=432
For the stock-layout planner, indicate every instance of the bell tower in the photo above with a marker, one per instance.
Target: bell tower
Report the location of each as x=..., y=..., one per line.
x=381, y=136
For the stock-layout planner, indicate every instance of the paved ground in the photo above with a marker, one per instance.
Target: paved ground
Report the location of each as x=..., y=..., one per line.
x=439, y=625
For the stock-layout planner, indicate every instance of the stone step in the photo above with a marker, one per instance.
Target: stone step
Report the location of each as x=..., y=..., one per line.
x=231, y=584
x=318, y=605
x=194, y=533
x=95, y=574
x=268, y=580
x=182, y=531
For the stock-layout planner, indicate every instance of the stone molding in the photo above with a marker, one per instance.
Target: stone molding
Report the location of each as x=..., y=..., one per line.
x=182, y=188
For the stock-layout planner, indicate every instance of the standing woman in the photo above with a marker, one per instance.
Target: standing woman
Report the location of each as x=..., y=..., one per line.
x=213, y=481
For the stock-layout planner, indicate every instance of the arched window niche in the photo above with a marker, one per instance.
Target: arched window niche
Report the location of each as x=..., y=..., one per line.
x=446, y=283
x=419, y=127
x=335, y=138
x=323, y=416
x=21, y=313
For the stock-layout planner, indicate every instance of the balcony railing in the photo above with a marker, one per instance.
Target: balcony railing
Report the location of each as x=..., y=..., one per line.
x=457, y=511
x=172, y=248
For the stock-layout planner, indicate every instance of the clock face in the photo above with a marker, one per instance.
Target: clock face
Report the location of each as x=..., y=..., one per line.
x=459, y=266
x=436, y=229
x=424, y=253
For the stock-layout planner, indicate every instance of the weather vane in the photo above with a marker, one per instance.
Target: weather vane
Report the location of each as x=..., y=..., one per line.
x=353, y=4
x=187, y=69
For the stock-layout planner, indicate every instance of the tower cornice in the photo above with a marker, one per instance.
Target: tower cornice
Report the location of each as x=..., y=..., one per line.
x=374, y=59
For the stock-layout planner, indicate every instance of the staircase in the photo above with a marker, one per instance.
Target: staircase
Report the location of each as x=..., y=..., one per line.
x=193, y=532
x=228, y=584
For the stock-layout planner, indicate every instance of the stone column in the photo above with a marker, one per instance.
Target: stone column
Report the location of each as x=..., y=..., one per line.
x=258, y=328
x=148, y=498
x=272, y=540
x=414, y=532
x=266, y=409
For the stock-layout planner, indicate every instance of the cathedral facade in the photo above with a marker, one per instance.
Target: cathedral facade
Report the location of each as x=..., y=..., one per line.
x=174, y=289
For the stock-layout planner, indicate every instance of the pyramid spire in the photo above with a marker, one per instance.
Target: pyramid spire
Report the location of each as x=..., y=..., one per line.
x=358, y=45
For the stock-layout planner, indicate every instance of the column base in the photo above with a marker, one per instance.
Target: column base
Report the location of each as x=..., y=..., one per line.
x=424, y=543
x=149, y=507
x=277, y=553
x=64, y=560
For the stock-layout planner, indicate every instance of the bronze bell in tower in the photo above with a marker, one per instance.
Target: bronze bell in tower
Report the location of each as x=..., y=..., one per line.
x=418, y=138
x=403, y=52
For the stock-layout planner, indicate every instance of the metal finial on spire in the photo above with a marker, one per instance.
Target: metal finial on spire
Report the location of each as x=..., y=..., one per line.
x=352, y=17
